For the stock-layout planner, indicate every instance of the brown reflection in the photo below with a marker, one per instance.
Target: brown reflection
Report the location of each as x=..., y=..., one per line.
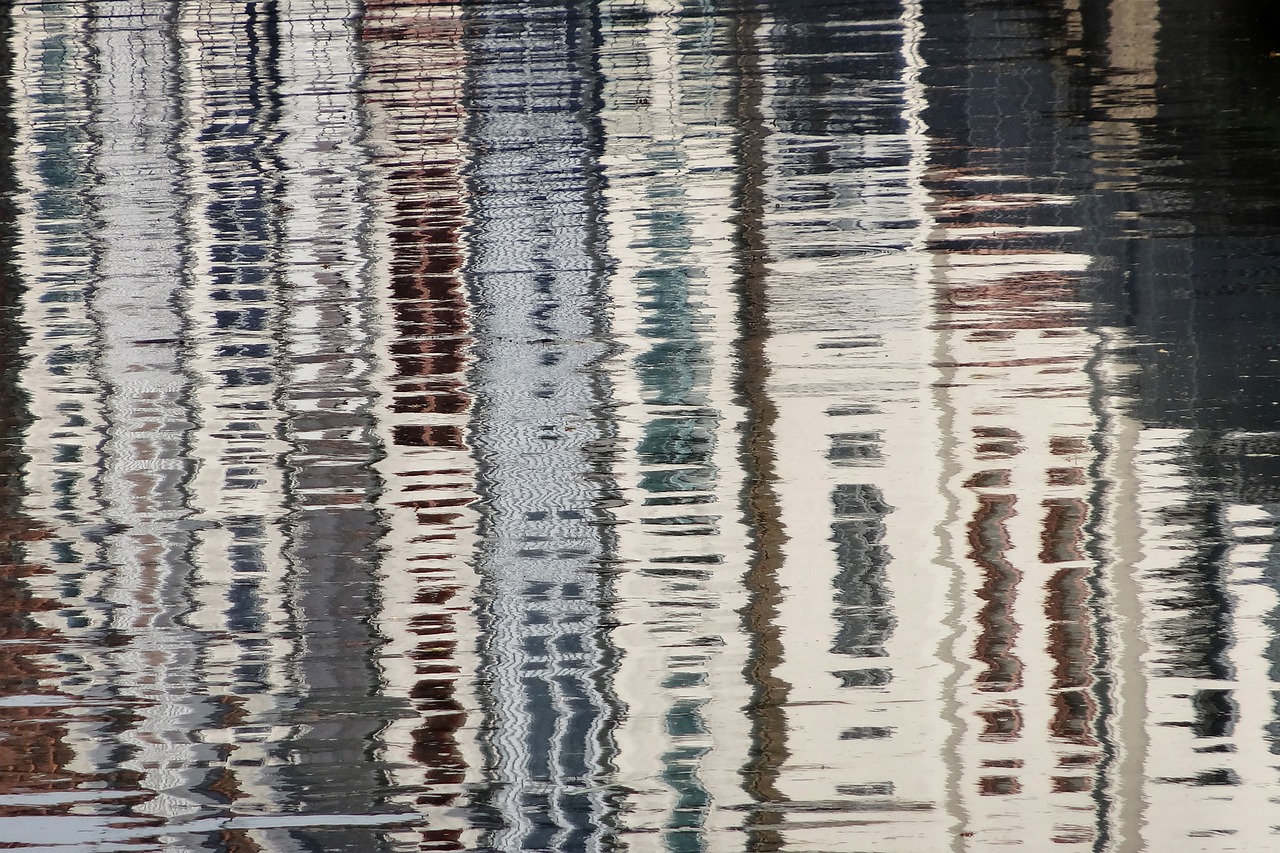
x=989, y=540
x=1000, y=724
x=34, y=748
x=999, y=786
x=1063, y=537
x=1065, y=476
x=996, y=442
x=414, y=58
x=1073, y=717
x=767, y=707
x=1043, y=300
x=237, y=841
x=996, y=479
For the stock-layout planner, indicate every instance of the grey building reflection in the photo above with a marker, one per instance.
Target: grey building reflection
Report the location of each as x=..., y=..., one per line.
x=329, y=348
x=539, y=429
x=115, y=414
x=145, y=470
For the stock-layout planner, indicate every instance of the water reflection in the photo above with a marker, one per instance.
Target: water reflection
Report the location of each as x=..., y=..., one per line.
x=412, y=55
x=540, y=432
x=671, y=200
x=658, y=424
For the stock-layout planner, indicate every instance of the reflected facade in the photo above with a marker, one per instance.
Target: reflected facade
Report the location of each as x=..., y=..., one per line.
x=639, y=424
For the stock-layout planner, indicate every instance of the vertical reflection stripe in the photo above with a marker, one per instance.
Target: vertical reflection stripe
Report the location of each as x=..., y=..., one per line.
x=415, y=58
x=683, y=741
x=539, y=429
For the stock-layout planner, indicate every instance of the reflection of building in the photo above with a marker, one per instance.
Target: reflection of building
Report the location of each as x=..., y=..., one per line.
x=327, y=353
x=873, y=530
x=413, y=59
x=52, y=159
x=226, y=609
x=684, y=739
x=145, y=469
x=1201, y=419
x=107, y=474
x=1016, y=385
x=232, y=185
x=1028, y=533
x=1201, y=446
x=864, y=604
x=35, y=752
x=1119, y=668
x=1209, y=695
x=539, y=431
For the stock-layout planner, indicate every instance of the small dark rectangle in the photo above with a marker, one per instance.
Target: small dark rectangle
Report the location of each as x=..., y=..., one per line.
x=874, y=789
x=691, y=574
x=855, y=448
x=855, y=500
x=866, y=733
x=864, y=677
x=852, y=410
x=999, y=786
x=678, y=500
x=1072, y=784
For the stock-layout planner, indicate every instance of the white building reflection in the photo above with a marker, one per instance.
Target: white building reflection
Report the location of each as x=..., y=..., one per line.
x=863, y=608
x=671, y=183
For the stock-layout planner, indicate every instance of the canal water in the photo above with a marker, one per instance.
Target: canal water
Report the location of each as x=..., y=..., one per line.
x=849, y=426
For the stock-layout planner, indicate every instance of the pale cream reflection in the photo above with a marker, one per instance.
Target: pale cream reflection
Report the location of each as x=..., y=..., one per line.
x=864, y=606
x=668, y=162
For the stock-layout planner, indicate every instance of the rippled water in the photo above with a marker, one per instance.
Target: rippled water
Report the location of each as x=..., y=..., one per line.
x=639, y=424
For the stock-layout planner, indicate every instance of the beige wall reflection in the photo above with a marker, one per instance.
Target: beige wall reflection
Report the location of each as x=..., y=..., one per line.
x=863, y=608
x=669, y=166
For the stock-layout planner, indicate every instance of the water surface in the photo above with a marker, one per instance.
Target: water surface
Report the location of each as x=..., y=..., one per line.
x=639, y=424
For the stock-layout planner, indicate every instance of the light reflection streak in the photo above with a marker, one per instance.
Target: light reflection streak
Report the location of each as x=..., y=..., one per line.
x=145, y=471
